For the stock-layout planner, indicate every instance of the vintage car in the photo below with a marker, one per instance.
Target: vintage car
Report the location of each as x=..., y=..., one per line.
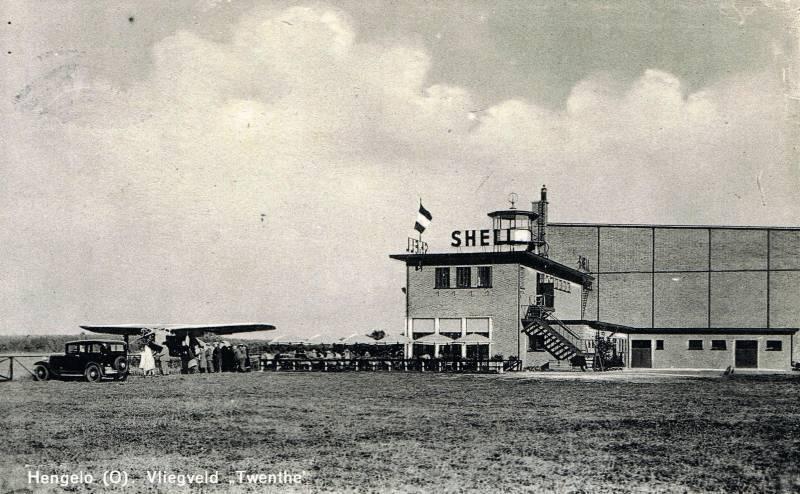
x=93, y=360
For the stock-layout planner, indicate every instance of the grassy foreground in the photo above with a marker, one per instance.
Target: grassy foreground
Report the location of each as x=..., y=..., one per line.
x=411, y=432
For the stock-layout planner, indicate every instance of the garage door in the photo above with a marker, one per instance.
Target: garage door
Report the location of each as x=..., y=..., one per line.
x=641, y=356
x=747, y=354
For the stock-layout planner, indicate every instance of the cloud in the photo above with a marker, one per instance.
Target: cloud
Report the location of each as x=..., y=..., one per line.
x=146, y=201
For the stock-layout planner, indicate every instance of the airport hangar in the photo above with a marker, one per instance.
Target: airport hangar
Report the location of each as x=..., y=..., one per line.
x=680, y=297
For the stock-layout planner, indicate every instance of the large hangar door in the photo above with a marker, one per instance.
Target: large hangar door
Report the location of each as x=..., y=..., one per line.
x=747, y=354
x=641, y=356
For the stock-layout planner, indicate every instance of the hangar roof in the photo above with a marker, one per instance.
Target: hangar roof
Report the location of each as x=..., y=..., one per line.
x=700, y=331
x=529, y=259
x=618, y=328
x=702, y=227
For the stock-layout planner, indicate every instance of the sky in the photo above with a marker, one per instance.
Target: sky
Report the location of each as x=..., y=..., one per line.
x=204, y=161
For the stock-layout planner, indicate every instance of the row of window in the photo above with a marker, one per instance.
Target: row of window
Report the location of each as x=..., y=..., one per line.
x=772, y=345
x=558, y=284
x=94, y=347
x=536, y=344
x=450, y=325
x=464, y=277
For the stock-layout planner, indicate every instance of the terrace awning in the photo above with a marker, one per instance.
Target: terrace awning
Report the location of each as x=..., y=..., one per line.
x=473, y=339
x=435, y=339
x=287, y=339
x=358, y=339
x=323, y=339
x=394, y=339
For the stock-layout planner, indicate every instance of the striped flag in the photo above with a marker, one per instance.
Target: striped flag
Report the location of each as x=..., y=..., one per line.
x=423, y=219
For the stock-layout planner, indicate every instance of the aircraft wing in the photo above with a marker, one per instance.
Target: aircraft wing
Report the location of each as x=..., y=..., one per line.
x=199, y=329
x=193, y=329
x=117, y=329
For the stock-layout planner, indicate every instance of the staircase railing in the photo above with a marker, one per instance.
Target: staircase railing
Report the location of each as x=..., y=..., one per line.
x=539, y=318
x=567, y=334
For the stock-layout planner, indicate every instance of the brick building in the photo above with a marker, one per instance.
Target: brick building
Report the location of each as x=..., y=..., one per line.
x=659, y=296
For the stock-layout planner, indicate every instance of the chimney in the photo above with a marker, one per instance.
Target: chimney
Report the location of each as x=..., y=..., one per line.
x=541, y=223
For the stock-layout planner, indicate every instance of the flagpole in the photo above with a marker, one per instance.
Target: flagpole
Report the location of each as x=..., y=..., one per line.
x=420, y=233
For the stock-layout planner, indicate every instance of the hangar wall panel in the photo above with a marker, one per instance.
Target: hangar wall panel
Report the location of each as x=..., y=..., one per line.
x=738, y=249
x=567, y=243
x=681, y=249
x=784, y=306
x=626, y=249
x=681, y=300
x=784, y=249
x=739, y=300
x=626, y=298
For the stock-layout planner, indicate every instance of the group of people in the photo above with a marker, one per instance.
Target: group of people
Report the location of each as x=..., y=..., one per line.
x=196, y=357
x=331, y=354
x=216, y=357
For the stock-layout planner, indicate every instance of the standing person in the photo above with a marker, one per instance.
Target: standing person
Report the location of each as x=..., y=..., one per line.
x=147, y=362
x=186, y=356
x=202, y=364
x=217, y=357
x=210, y=357
x=192, y=363
x=241, y=358
x=237, y=354
x=227, y=356
x=165, y=359
x=157, y=358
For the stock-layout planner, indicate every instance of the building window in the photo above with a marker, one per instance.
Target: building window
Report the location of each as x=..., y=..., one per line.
x=450, y=327
x=659, y=344
x=484, y=276
x=536, y=343
x=774, y=346
x=442, y=277
x=478, y=325
x=719, y=345
x=463, y=277
x=695, y=344
x=422, y=326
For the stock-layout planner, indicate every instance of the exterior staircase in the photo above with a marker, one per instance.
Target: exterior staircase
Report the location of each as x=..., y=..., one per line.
x=561, y=343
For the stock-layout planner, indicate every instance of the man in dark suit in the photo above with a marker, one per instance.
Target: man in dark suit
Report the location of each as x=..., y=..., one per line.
x=217, y=358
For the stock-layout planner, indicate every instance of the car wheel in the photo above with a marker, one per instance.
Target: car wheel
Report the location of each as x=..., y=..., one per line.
x=93, y=373
x=121, y=364
x=41, y=372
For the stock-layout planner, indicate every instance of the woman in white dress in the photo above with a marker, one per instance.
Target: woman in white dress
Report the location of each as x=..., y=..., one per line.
x=148, y=363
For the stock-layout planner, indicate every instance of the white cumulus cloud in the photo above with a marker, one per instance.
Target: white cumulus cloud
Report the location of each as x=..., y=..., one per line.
x=268, y=176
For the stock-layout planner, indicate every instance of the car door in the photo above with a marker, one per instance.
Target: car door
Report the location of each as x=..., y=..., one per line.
x=71, y=363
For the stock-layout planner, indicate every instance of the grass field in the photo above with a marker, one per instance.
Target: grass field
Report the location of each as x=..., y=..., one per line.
x=413, y=432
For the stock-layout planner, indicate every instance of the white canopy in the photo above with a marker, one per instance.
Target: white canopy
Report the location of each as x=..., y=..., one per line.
x=358, y=339
x=394, y=339
x=434, y=339
x=287, y=339
x=473, y=339
x=323, y=339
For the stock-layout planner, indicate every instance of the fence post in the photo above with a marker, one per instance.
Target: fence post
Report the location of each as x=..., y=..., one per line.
x=11, y=368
